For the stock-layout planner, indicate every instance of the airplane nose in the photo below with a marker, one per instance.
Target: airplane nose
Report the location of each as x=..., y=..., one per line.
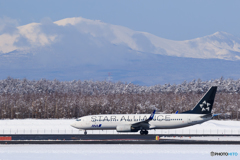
x=74, y=125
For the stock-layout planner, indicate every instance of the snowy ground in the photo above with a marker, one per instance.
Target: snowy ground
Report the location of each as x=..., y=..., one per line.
x=116, y=152
x=209, y=138
x=62, y=126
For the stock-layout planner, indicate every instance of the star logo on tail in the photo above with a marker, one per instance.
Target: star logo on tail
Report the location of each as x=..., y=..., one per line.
x=205, y=106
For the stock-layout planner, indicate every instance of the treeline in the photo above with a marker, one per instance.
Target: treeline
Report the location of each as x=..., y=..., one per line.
x=55, y=99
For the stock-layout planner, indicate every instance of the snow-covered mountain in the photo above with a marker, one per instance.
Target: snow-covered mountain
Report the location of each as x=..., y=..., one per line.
x=79, y=48
x=220, y=45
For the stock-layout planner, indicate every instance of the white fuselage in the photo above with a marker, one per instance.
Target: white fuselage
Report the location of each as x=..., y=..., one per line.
x=160, y=121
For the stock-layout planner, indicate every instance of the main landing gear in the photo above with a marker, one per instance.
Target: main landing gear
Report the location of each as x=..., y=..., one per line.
x=85, y=132
x=144, y=132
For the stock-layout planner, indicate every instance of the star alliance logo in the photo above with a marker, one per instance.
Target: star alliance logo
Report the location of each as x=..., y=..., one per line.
x=205, y=106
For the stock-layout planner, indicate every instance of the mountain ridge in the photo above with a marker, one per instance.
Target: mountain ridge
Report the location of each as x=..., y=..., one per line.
x=220, y=45
x=79, y=48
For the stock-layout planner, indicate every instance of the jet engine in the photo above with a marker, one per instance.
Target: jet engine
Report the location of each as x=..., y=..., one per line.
x=126, y=128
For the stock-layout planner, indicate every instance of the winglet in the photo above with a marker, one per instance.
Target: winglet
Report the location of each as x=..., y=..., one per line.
x=177, y=112
x=152, y=115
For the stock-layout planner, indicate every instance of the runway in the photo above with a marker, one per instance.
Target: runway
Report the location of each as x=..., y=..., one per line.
x=107, y=139
x=99, y=136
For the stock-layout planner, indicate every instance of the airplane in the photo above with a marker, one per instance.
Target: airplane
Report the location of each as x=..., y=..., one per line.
x=144, y=122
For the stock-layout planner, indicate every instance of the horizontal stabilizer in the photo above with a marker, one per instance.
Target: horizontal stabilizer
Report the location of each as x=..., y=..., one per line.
x=214, y=115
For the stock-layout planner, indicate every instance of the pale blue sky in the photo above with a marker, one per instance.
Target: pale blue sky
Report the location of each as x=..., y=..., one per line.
x=171, y=19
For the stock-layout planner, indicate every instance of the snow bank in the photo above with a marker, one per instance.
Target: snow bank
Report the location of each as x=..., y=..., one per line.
x=116, y=152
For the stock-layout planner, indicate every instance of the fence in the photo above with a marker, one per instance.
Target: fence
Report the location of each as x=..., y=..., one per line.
x=159, y=131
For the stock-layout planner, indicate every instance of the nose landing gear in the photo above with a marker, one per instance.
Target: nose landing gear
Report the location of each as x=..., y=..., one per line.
x=144, y=132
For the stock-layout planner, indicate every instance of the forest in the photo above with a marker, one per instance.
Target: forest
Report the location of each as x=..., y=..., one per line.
x=43, y=99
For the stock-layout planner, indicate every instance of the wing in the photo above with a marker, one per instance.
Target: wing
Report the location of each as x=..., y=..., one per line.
x=144, y=124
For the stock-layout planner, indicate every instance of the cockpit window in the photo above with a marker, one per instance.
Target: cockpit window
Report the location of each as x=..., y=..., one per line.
x=78, y=119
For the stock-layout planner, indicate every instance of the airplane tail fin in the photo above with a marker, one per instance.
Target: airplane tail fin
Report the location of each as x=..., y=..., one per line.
x=204, y=106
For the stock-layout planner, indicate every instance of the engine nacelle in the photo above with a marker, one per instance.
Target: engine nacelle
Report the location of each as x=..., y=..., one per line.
x=126, y=128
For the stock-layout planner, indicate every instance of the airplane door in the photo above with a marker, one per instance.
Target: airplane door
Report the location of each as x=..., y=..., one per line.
x=88, y=121
x=94, y=121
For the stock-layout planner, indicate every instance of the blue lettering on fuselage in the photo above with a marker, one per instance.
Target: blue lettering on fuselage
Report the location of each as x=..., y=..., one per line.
x=96, y=125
